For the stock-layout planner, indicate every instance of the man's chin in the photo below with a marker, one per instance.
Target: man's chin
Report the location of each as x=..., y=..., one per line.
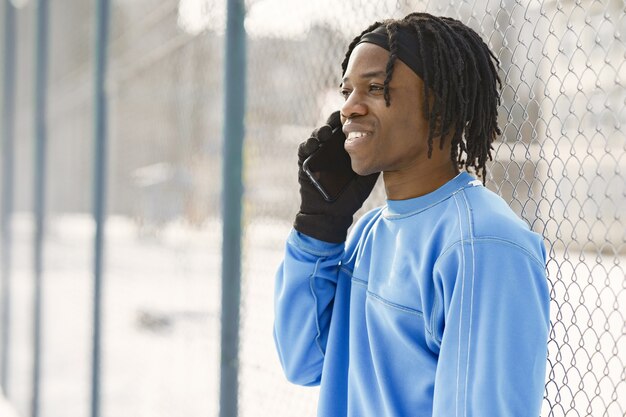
x=363, y=170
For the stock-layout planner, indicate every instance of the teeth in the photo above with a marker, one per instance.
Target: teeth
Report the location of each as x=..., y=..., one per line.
x=356, y=135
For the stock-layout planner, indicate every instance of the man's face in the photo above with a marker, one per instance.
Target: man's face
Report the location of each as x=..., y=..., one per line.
x=381, y=138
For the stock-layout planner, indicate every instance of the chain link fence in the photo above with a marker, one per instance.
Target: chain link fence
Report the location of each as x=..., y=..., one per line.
x=560, y=165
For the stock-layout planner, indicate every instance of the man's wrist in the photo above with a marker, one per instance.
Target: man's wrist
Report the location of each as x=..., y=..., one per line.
x=328, y=228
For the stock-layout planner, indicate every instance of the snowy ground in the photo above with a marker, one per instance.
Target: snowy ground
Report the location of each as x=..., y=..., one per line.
x=6, y=409
x=161, y=324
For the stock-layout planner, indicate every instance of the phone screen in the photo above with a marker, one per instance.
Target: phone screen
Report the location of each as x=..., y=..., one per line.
x=329, y=167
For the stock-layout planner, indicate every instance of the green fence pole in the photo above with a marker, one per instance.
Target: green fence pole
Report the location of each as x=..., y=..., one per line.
x=99, y=189
x=232, y=192
x=6, y=211
x=41, y=94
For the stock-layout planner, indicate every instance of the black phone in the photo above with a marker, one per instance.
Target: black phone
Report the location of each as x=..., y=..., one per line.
x=329, y=168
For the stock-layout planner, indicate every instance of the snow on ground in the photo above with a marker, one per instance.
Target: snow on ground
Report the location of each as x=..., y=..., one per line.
x=161, y=323
x=6, y=409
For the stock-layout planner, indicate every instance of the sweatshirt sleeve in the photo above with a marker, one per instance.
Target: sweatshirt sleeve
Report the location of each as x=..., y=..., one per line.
x=493, y=330
x=303, y=301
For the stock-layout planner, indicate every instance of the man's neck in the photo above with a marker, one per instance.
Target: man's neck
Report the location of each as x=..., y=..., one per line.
x=402, y=185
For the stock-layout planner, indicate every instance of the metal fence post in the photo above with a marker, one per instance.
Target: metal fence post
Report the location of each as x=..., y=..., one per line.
x=99, y=190
x=232, y=191
x=40, y=128
x=8, y=155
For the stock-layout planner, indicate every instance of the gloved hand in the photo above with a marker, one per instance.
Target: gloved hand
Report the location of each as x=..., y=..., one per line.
x=317, y=217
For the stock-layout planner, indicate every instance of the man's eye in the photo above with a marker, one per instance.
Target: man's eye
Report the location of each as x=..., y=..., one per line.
x=376, y=88
x=344, y=93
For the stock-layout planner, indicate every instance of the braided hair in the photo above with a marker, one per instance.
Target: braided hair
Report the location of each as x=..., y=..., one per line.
x=463, y=98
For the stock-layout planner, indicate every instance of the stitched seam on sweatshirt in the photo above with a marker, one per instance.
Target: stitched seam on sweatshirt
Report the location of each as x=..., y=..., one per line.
x=296, y=241
x=487, y=239
x=317, y=322
x=386, y=302
x=458, y=358
x=413, y=213
x=469, y=336
x=357, y=280
x=394, y=305
x=433, y=320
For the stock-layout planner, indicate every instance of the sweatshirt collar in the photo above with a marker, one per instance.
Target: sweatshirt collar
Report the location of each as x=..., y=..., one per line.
x=413, y=205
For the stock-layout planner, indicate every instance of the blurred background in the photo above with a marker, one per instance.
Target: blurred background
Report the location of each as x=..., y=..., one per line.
x=560, y=164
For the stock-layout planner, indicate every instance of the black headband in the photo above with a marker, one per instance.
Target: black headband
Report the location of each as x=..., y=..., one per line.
x=408, y=48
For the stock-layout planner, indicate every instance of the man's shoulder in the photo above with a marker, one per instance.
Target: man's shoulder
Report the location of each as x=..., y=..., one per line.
x=366, y=221
x=492, y=218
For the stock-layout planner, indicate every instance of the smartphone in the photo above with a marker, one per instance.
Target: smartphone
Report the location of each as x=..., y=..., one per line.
x=329, y=168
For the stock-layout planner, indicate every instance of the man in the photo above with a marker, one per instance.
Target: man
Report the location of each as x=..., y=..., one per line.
x=437, y=304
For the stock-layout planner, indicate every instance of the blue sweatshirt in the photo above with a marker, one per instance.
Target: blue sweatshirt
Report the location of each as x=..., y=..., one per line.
x=435, y=306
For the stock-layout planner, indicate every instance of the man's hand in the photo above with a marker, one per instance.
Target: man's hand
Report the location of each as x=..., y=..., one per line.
x=317, y=217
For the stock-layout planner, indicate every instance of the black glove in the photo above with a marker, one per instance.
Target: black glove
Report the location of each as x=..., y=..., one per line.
x=317, y=217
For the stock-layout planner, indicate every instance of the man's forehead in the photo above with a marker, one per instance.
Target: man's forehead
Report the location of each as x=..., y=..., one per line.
x=365, y=75
x=367, y=61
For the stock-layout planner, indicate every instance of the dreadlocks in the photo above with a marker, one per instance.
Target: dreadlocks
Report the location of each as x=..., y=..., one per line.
x=462, y=98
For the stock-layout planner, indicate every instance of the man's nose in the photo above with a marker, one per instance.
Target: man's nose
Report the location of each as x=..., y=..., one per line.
x=353, y=106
